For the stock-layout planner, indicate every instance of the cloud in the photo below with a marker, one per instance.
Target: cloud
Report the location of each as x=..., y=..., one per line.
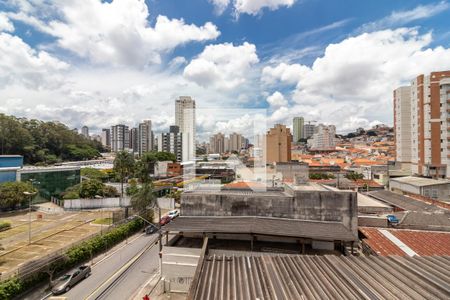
x=117, y=33
x=222, y=66
x=220, y=5
x=5, y=24
x=277, y=99
x=283, y=72
x=255, y=7
x=20, y=64
x=399, y=18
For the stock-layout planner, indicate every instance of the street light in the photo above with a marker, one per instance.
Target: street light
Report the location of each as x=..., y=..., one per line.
x=30, y=194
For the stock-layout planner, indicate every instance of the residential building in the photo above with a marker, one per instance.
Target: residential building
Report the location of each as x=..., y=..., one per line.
x=217, y=143
x=278, y=144
x=430, y=188
x=134, y=140
x=145, y=137
x=120, y=138
x=85, y=131
x=323, y=138
x=172, y=142
x=308, y=130
x=185, y=120
x=106, y=137
x=429, y=124
x=96, y=137
x=297, y=126
x=402, y=125
x=237, y=142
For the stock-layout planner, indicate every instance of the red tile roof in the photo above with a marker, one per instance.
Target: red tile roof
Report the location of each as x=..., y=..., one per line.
x=424, y=243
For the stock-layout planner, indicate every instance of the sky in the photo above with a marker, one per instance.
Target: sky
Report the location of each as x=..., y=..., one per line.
x=101, y=63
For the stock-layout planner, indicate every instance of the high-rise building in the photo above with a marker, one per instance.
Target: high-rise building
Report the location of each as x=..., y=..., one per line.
x=402, y=125
x=85, y=131
x=185, y=120
x=308, y=130
x=278, y=144
x=324, y=138
x=134, y=140
x=237, y=142
x=297, y=126
x=145, y=137
x=120, y=138
x=106, y=137
x=429, y=124
x=171, y=142
x=217, y=143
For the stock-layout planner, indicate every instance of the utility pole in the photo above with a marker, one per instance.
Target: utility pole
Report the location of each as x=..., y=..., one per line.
x=30, y=194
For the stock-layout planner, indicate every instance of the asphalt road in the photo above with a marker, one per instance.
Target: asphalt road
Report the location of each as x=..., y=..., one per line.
x=121, y=274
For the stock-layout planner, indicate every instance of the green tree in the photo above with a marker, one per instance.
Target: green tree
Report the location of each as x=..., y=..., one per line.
x=354, y=176
x=123, y=166
x=132, y=188
x=92, y=173
x=12, y=194
x=144, y=198
x=145, y=166
x=90, y=188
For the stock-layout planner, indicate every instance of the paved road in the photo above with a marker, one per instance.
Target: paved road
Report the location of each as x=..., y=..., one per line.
x=131, y=270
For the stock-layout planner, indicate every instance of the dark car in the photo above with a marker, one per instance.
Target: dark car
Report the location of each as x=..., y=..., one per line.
x=66, y=282
x=150, y=229
x=165, y=220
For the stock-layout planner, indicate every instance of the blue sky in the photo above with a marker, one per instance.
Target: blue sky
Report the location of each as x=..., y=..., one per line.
x=88, y=62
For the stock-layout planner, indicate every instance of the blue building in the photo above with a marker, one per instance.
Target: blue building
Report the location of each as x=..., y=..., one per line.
x=9, y=165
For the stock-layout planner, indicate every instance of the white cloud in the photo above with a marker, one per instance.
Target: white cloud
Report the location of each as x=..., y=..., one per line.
x=5, y=23
x=277, y=99
x=20, y=64
x=283, y=72
x=220, y=5
x=254, y=7
x=117, y=33
x=223, y=66
x=399, y=18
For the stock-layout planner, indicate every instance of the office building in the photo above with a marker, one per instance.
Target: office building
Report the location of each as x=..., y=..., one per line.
x=308, y=130
x=120, y=138
x=172, y=142
x=278, y=144
x=134, y=140
x=217, y=143
x=85, y=131
x=106, y=137
x=324, y=138
x=427, y=127
x=298, y=130
x=145, y=137
x=185, y=120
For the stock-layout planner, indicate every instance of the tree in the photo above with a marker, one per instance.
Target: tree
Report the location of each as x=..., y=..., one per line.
x=146, y=166
x=354, y=176
x=145, y=198
x=90, y=188
x=92, y=173
x=123, y=166
x=12, y=194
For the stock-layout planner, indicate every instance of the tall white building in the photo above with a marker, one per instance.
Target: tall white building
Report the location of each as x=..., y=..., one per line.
x=120, y=138
x=428, y=127
x=145, y=137
x=308, y=130
x=185, y=120
x=85, y=131
x=324, y=138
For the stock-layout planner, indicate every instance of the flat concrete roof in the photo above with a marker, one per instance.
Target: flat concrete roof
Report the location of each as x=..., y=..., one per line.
x=364, y=200
x=420, y=181
x=310, y=186
x=32, y=169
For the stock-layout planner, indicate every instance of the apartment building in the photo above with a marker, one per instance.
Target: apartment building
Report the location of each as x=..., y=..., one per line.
x=298, y=129
x=324, y=138
x=145, y=137
x=185, y=120
x=278, y=144
x=429, y=124
x=172, y=142
x=120, y=138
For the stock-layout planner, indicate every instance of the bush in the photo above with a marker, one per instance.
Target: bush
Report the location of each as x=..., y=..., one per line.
x=10, y=288
x=5, y=226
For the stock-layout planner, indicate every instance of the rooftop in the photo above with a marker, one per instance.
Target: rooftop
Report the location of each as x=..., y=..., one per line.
x=321, y=277
x=328, y=231
x=403, y=202
x=420, y=181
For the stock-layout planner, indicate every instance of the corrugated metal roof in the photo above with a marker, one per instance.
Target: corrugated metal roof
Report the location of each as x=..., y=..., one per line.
x=323, y=277
x=420, y=181
x=329, y=231
x=403, y=202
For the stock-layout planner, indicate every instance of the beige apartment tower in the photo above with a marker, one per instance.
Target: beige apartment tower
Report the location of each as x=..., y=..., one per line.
x=427, y=127
x=278, y=144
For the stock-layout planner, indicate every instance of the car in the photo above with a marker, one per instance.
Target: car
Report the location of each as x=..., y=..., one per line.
x=150, y=229
x=64, y=283
x=392, y=219
x=164, y=220
x=173, y=214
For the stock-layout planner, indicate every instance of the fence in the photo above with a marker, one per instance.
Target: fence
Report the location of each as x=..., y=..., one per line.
x=77, y=204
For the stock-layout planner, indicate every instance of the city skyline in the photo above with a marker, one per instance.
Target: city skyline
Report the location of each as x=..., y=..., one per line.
x=338, y=69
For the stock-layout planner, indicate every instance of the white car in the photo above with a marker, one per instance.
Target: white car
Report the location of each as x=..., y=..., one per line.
x=173, y=213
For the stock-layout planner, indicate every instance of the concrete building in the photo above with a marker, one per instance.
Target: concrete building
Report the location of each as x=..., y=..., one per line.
x=278, y=144
x=237, y=142
x=9, y=165
x=185, y=120
x=172, y=142
x=431, y=188
x=428, y=125
x=294, y=171
x=323, y=138
x=217, y=143
x=297, y=126
x=106, y=137
x=308, y=130
x=134, y=140
x=120, y=138
x=145, y=137
x=85, y=131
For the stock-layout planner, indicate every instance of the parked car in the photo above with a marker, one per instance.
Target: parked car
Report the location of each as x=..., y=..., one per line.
x=392, y=219
x=165, y=220
x=173, y=213
x=150, y=229
x=66, y=282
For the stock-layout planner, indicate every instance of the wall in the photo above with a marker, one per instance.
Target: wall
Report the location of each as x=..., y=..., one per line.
x=95, y=203
x=178, y=267
x=166, y=203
